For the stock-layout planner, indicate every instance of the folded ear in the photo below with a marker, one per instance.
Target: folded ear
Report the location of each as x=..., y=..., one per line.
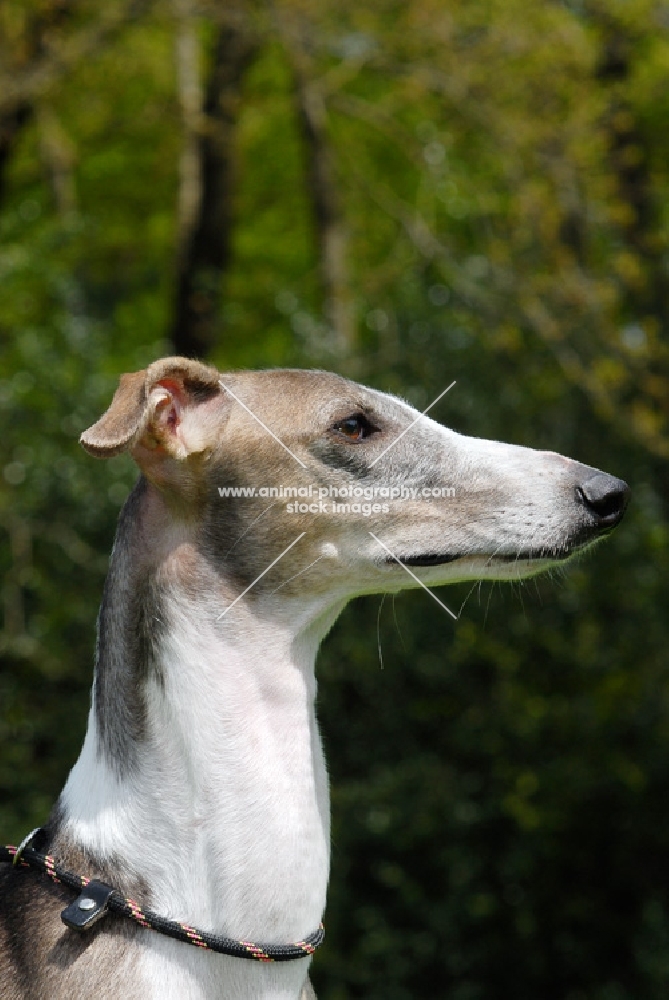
x=152, y=413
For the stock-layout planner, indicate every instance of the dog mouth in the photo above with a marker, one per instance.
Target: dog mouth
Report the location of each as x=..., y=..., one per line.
x=427, y=559
x=571, y=546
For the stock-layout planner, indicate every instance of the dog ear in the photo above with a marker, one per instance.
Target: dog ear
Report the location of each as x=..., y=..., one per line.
x=149, y=412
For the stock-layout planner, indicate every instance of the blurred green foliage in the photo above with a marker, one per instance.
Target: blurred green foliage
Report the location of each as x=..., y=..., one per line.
x=500, y=785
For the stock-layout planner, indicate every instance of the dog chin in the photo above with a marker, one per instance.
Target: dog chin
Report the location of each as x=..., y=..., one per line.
x=516, y=566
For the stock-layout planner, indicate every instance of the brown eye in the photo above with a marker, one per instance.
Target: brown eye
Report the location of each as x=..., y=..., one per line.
x=355, y=428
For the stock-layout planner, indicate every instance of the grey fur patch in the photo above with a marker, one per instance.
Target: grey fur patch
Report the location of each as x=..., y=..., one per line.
x=130, y=625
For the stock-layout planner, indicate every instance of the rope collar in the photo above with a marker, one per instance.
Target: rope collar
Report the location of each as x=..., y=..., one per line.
x=96, y=898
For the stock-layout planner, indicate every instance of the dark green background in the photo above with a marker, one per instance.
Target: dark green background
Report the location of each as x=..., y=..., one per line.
x=499, y=173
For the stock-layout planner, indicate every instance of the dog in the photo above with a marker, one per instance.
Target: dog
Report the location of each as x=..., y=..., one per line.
x=266, y=501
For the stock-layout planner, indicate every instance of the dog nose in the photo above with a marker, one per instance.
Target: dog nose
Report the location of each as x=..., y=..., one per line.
x=605, y=496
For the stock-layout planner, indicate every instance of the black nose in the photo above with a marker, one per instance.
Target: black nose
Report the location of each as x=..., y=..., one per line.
x=605, y=496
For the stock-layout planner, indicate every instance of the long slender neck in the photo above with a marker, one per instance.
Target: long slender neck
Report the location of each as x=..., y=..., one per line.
x=202, y=767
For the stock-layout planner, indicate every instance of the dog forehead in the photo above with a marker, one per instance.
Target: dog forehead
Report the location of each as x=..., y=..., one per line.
x=313, y=393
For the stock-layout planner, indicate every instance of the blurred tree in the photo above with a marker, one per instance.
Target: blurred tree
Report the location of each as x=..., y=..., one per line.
x=207, y=189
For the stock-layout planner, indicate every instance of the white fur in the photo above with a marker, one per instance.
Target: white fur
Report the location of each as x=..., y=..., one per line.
x=227, y=816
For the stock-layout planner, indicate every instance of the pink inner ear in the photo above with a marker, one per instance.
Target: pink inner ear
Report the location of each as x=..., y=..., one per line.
x=177, y=392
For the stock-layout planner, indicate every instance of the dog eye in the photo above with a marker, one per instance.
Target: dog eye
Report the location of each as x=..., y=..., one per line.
x=356, y=427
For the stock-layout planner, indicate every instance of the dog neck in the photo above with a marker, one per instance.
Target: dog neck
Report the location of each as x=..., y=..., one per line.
x=202, y=768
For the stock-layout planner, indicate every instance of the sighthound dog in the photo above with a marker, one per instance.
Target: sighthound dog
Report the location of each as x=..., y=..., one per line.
x=201, y=791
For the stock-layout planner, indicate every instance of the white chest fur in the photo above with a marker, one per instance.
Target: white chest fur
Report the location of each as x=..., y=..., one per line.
x=225, y=814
